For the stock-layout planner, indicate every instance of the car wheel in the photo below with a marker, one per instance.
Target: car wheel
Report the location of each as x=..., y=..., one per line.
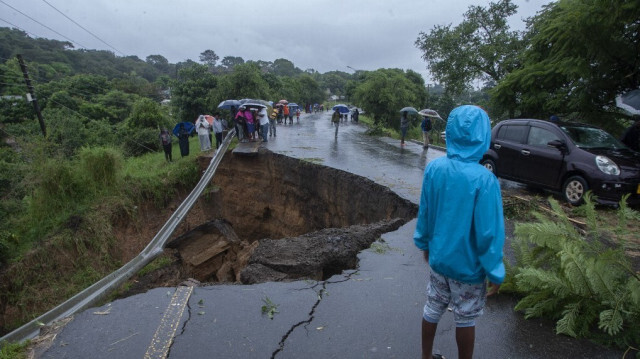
x=574, y=189
x=490, y=165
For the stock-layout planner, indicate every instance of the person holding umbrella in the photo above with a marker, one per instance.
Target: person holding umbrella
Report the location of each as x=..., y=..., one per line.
x=404, y=126
x=335, y=118
x=426, y=127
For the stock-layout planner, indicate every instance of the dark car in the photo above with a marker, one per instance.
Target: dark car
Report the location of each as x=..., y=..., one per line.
x=570, y=158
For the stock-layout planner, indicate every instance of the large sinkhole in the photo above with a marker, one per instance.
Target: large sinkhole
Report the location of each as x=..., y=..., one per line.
x=276, y=218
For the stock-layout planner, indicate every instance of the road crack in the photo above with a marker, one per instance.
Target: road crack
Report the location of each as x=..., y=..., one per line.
x=321, y=294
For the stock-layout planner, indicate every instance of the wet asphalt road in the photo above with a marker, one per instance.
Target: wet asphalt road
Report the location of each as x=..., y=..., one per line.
x=373, y=311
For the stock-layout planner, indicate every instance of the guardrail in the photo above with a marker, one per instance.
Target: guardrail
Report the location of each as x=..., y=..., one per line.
x=106, y=285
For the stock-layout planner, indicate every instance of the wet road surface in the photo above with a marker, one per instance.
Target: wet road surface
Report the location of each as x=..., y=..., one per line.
x=371, y=312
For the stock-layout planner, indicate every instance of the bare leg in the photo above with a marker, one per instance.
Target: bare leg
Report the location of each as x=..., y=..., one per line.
x=428, y=334
x=465, y=338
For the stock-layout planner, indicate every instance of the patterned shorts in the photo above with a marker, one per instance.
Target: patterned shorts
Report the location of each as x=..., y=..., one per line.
x=465, y=300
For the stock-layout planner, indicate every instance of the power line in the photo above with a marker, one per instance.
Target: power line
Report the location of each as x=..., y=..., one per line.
x=19, y=28
x=70, y=19
x=32, y=19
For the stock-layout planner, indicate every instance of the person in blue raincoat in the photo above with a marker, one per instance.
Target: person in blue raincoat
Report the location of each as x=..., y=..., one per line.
x=460, y=229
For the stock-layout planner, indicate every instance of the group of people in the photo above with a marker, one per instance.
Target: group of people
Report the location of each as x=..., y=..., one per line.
x=425, y=126
x=461, y=237
x=203, y=127
x=251, y=123
x=284, y=112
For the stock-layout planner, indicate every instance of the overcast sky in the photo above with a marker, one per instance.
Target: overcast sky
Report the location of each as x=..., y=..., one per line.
x=325, y=35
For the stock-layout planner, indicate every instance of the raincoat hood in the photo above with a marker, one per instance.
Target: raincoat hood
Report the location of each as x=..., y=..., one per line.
x=468, y=133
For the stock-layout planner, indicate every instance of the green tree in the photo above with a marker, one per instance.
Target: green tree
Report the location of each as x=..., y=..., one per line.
x=310, y=91
x=335, y=81
x=191, y=92
x=146, y=114
x=160, y=63
x=118, y=103
x=209, y=57
x=228, y=63
x=480, y=47
x=581, y=54
x=384, y=92
x=246, y=81
x=284, y=67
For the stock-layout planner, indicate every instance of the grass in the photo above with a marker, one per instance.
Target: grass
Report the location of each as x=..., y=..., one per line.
x=63, y=239
x=269, y=308
x=14, y=350
x=414, y=132
x=381, y=247
x=158, y=263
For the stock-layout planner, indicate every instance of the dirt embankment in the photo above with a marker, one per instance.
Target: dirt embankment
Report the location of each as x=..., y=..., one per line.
x=318, y=216
x=271, y=208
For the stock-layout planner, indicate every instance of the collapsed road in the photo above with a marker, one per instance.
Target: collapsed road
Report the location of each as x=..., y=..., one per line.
x=371, y=311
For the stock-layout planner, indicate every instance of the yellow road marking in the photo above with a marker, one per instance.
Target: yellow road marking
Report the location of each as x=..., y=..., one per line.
x=163, y=338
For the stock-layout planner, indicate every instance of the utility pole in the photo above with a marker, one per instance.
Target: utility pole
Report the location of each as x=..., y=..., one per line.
x=32, y=94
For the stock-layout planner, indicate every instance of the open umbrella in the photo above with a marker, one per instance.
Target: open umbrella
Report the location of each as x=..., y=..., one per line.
x=409, y=110
x=341, y=108
x=249, y=100
x=284, y=102
x=251, y=105
x=629, y=101
x=228, y=104
x=293, y=105
x=429, y=113
x=209, y=119
x=187, y=125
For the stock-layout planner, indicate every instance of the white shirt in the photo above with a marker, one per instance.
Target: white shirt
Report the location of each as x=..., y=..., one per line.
x=262, y=115
x=217, y=125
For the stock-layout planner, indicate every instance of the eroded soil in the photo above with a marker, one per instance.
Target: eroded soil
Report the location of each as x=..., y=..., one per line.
x=274, y=218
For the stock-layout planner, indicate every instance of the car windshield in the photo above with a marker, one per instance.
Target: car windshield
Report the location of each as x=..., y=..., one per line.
x=591, y=138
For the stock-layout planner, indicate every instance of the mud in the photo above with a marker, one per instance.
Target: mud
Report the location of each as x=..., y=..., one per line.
x=277, y=218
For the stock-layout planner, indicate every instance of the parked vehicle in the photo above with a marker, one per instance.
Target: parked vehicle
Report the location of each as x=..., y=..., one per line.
x=566, y=157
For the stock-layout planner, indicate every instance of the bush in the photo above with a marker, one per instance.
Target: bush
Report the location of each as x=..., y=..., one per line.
x=582, y=279
x=140, y=141
x=101, y=165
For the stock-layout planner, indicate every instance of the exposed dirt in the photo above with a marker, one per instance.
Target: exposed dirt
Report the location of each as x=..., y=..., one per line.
x=272, y=218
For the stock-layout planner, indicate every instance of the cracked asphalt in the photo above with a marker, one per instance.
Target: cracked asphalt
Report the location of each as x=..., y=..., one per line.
x=372, y=311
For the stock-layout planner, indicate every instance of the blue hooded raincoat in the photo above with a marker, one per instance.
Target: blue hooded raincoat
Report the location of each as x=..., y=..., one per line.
x=460, y=220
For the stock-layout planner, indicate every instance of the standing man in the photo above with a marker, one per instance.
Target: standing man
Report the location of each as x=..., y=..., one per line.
x=404, y=126
x=460, y=230
x=264, y=123
x=285, y=109
x=426, y=127
x=217, y=129
x=165, y=139
x=272, y=121
x=335, y=119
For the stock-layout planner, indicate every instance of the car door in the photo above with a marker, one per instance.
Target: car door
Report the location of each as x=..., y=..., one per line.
x=540, y=163
x=507, y=145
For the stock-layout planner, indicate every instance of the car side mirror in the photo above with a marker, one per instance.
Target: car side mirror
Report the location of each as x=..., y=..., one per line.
x=557, y=144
